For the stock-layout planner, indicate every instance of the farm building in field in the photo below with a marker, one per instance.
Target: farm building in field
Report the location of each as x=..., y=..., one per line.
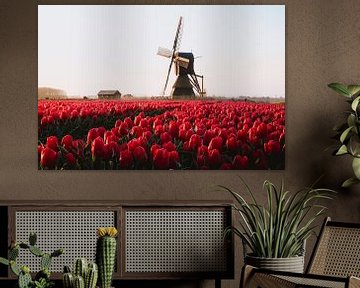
x=109, y=94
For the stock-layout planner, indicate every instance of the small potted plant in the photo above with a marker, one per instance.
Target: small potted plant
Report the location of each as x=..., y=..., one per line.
x=275, y=234
x=106, y=254
x=84, y=274
x=348, y=132
x=42, y=278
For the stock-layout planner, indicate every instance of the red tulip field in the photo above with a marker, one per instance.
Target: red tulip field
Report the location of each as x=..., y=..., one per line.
x=106, y=135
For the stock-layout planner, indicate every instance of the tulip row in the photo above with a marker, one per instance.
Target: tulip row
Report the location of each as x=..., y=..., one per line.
x=94, y=134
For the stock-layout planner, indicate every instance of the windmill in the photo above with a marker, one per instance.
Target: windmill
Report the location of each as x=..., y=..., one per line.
x=187, y=79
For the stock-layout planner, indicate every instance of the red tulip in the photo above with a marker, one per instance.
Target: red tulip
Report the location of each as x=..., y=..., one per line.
x=70, y=159
x=173, y=128
x=214, y=158
x=240, y=162
x=194, y=142
x=165, y=137
x=48, y=158
x=67, y=142
x=159, y=129
x=136, y=131
x=123, y=146
x=173, y=159
x=132, y=144
x=123, y=129
x=161, y=159
x=147, y=135
x=272, y=147
x=92, y=134
x=169, y=146
x=74, y=114
x=52, y=143
x=215, y=143
x=157, y=122
x=201, y=160
x=101, y=130
x=111, y=150
x=144, y=123
x=182, y=134
x=140, y=154
x=231, y=144
x=97, y=148
x=154, y=148
x=126, y=159
x=129, y=122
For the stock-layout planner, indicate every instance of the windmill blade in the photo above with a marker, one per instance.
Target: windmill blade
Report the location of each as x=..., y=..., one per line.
x=176, y=45
x=164, y=52
x=178, y=35
x=183, y=62
x=167, y=77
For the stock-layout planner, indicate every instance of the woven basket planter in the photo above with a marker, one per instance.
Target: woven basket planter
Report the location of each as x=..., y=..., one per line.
x=291, y=264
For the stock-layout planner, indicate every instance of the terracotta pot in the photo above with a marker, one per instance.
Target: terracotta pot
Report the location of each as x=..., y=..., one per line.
x=291, y=264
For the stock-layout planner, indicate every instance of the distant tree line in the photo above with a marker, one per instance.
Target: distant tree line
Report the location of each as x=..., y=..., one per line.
x=51, y=93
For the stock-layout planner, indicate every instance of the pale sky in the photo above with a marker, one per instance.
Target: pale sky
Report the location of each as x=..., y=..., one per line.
x=83, y=49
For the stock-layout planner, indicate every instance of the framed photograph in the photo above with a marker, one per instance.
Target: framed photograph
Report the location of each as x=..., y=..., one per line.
x=160, y=87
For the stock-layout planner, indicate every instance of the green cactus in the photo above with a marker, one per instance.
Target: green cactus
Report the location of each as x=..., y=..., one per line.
x=67, y=269
x=36, y=251
x=91, y=276
x=57, y=252
x=80, y=267
x=13, y=253
x=42, y=278
x=105, y=255
x=32, y=238
x=24, y=280
x=4, y=261
x=45, y=261
x=68, y=280
x=87, y=272
x=14, y=268
x=79, y=282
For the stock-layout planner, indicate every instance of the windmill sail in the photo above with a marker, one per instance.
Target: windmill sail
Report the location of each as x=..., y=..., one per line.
x=176, y=46
x=164, y=52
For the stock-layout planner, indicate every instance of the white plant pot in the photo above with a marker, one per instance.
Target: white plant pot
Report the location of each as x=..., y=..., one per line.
x=291, y=264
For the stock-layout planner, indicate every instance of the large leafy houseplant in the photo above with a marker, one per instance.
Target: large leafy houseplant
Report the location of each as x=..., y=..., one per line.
x=279, y=229
x=348, y=133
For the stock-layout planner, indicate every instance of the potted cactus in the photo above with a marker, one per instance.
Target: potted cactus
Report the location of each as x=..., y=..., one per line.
x=84, y=275
x=106, y=254
x=42, y=278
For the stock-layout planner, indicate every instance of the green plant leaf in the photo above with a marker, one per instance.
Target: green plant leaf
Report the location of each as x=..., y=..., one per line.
x=356, y=167
x=355, y=103
x=354, y=145
x=349, y=182
x=342, y=150
x=340, y=88
x=353, y=89
x=4, y=261
x=345, y=134
x=351, y=120
x=14, y=268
